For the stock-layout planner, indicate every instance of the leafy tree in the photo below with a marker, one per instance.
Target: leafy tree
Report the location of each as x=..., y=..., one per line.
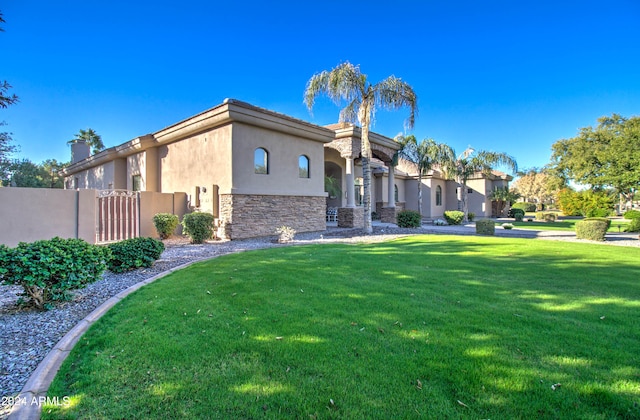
x=425, y=155
x=52, y=168
x=471, y=162
x=535, y=184
x=93, y=139
x=605, y=156
x=346, y=82
x=6, y=149
x=585, y=203
x=26, y=174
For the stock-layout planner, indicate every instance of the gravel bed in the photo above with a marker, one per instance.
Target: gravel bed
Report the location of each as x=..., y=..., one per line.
x=28, y=335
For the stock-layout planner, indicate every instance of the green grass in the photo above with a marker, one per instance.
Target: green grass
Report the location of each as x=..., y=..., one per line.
x=564, y=224
x=427, y=326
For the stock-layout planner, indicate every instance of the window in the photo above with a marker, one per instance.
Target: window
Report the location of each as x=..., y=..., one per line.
x=136, y=182
x=261, y=161
x=358, y=191
x=303, y=166
x=395, y=193
x=438, y=195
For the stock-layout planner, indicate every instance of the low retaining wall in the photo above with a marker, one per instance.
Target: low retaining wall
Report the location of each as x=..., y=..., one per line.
x=250, y=216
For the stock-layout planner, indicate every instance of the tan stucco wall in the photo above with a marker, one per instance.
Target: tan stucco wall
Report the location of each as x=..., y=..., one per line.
x=100, y=177
x=31, y=214
x=199, y=160
x=152, y=203
x=144, y=164
x=284, y=150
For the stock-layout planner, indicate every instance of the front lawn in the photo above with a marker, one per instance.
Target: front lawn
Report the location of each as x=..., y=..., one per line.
x=427, y=326
x=617, y=225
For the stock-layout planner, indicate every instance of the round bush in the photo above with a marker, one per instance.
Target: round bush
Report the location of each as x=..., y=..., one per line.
x=515, y=212
x=633, y=226
x=602, y=219
x=408, y=219
x=597, y=212
x=632, y=214
x=199, y=226
x=134, y=253
x=485, y=227
x=593, y=230
x=166, y=224
x=527, y=207
x=454, y=217
x=48, y=269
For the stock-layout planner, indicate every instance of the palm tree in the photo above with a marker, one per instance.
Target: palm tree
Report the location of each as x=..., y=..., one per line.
x=346, y=82
x=425, y=155
x=471, y=162
x=93, y=139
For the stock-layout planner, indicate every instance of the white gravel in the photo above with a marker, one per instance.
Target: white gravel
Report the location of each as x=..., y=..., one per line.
x=28, y=335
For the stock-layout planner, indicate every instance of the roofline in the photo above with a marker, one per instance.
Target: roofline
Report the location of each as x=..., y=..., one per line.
x=231, y=110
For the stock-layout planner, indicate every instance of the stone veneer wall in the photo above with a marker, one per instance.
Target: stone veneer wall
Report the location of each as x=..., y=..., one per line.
x=350, y=217
x=250, y=216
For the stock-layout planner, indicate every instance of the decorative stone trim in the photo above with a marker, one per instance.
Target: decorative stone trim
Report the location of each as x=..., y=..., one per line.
x=351, y=217
x=249, y=216
x=388, y=214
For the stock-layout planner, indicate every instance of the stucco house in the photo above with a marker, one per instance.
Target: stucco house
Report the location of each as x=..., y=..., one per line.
x=257, y=170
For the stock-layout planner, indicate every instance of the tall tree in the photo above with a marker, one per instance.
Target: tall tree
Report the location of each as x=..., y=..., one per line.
x=425, y=155
x=347, y=83
x=6, y=146
x=6, y=99
x=471, y=162
x=605, y=156
x=535, y=184
x=93, y=139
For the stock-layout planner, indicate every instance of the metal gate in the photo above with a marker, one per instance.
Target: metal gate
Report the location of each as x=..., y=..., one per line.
x=118, y=215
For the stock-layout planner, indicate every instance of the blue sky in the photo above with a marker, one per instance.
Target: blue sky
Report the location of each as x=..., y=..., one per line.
x=508, y=76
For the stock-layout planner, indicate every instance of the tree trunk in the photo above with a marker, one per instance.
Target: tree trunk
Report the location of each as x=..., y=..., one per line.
x=366, y=168
x=420, y=194
x=465, y=205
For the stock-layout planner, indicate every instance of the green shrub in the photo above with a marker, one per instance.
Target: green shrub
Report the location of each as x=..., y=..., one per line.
x=485, y=227
x=48, y=269
x=526, y=207
x=546, y=216
x=515, y=211
x=597, y=212
x=471, y=216
x=632, y=214
x=408, y=219
x=166, y=224
x=633, y=226
x=518, y=217
x=593, y=229
x=454, y=217
x=602, y=219
x=199, y=226
x=134, y=253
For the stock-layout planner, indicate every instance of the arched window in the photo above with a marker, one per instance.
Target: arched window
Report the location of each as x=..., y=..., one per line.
x=303, y=166
x=438, y=195
x=261, y=161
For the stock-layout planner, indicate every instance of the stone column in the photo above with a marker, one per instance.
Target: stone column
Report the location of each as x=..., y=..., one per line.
x=350, y=182
x=388, y=214
x=391, y=194
x=350, y=216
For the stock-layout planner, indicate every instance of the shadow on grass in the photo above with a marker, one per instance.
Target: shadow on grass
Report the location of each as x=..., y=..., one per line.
x=425, y=326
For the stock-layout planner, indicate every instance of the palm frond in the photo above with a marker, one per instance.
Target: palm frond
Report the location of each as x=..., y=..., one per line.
x=393, y=93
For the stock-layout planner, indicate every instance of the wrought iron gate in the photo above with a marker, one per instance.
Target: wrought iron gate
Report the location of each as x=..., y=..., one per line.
x=118, y=215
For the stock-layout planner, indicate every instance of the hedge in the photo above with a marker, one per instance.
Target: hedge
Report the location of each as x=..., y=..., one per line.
x=134, y=253
x=592, y=229
x=408, y=219
x=485, y=227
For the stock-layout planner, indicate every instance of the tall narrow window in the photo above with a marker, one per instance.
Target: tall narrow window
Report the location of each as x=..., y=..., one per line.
x=261, y=161
x=303, y=166
x=395, y=193
x=358, y=191
x=438, y=195
x=136, y=182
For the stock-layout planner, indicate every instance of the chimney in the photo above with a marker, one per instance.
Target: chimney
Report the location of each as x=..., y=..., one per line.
x=80, y=150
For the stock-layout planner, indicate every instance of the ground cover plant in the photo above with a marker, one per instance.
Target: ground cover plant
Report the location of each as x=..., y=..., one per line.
x=618, y=225
x=432, y=326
